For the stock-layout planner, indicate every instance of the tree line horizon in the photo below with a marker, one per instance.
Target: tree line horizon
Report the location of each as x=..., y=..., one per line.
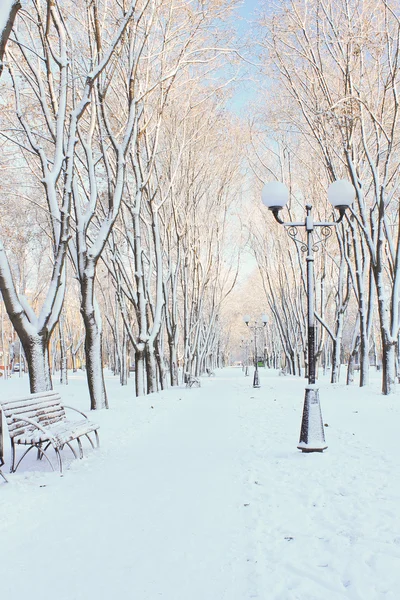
x=129, y=191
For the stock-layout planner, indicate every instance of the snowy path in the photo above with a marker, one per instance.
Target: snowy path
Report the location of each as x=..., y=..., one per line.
x=201, y=495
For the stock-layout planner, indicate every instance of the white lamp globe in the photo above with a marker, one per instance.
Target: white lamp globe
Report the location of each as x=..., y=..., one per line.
x=341, y=193
x=275, y=195
x=264, y=319
x=246, y=319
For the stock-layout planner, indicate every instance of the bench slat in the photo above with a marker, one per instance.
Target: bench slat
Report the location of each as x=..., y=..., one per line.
x=44, y=409
x=22, y=427
x=33, y=410
x=44, y=421
x=26, y=403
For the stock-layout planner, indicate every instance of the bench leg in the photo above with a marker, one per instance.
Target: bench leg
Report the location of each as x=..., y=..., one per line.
x=60, y=466
x=40, y=452
x=1, y=472
x=80, y=448
x=39, y=449
x=12, y=457
x=72, y=450
x=90, y=440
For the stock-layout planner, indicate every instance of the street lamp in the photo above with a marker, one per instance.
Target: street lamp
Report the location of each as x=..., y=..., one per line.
x=341, y=195
x=255, y=328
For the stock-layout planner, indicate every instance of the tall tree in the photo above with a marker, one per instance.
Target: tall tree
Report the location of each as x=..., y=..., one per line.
x=43, y=62
x=8, y=13
x=339, y=62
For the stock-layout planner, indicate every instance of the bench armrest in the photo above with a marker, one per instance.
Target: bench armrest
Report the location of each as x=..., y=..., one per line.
x=76, y=410
x=37, y=426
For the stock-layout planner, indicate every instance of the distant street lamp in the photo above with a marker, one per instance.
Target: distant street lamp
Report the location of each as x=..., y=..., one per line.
x=341, y=195
x=255, y=328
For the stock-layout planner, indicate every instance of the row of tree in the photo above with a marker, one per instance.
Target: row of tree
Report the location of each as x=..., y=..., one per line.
x=122, y=170
x=334, y=65
x=118, y=151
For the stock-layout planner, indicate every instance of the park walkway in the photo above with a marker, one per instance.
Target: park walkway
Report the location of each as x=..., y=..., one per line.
x=201, y=495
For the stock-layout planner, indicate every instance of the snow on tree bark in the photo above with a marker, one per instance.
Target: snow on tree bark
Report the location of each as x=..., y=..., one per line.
x=8, y=13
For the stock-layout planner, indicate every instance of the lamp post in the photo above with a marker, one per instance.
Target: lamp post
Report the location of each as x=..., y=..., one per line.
x=255, y=328
x=341, y=195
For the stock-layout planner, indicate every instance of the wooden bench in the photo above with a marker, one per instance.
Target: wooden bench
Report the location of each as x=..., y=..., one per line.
x=192, y=381
x=39, y=421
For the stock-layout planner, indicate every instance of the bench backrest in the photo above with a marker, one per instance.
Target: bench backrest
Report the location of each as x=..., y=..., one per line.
x=44, y=408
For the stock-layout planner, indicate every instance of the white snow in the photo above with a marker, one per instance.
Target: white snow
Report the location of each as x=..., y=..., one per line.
x=201, y=494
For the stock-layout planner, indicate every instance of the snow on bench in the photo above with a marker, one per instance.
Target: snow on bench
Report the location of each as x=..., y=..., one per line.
x=39, y=420
x=192, y=381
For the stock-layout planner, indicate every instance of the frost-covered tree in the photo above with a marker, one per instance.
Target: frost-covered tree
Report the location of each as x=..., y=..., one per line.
x=50, y=100
x=8, y=12
x=175, y=65
x=338, y=64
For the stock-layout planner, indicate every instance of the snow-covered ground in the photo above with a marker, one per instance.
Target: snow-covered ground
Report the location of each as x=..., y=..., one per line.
x=201, y=494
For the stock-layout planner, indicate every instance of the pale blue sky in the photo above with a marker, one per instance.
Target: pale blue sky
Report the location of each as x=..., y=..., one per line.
x=248, y=7
x=246, y=11
x=245, y=91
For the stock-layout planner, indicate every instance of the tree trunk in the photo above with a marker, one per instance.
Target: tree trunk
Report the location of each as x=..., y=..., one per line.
x=93, y=346
x=10, y=12
x=73, y=356
x=139, y=373
x=336, y=348
x=352, y=357
x=388, y=368
x=63, y=355
x=151, y=369
x=161, y=363
x=123, y=360
x=350, y=369
x=364, y=359
x=388, y=343
x=173, y=362
x=37, y=356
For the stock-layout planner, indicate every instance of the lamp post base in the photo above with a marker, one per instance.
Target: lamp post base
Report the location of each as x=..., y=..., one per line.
x=312, y=436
